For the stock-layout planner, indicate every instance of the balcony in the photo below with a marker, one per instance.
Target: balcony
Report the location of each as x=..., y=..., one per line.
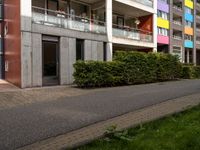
x=132, y=33
x=145, y=2
x=177, y=22
x=68, y=21
x=177, y=37
x=177, y=8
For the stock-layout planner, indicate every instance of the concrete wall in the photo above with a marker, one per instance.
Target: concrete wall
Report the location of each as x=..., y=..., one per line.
x=67, y=59
x=32, y=58
x=94, y=50
x=36, y=60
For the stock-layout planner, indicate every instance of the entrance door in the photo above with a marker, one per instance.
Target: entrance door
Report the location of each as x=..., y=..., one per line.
x=50, y=63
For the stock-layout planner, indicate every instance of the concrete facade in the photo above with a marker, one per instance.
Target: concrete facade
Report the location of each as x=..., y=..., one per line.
x=97, y=35
x=183, y=31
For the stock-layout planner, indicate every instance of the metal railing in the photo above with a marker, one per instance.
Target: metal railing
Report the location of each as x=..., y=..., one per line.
x=177, y=37
x=145, y=2
x=198, y=42
x=131, y=33
x=177, y=8
x=68, y=21
x=177, y=22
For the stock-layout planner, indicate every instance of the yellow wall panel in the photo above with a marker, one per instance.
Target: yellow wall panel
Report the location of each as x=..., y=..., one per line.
x=163, y=23
x=189, y=4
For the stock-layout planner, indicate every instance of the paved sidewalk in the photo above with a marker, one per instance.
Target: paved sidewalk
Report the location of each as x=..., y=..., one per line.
x=87, y=134
x=5, y=86
x=29, y=116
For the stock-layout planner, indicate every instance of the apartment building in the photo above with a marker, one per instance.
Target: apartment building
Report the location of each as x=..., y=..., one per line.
x=42, y=39
x=178, y=29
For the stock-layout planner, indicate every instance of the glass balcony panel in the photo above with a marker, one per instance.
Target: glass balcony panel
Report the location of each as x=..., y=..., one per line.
x=133, y=34
x=53, y=18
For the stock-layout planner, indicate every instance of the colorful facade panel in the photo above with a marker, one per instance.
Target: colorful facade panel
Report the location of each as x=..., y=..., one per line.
x=163, y=39
x=163, y=23
x=189, y=4
x=189, y=44
x=163, y=6
x=189, y=31
x=189, y=17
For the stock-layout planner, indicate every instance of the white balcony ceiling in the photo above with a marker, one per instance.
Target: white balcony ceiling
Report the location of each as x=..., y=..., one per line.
x=129, y=10
x=89, y=1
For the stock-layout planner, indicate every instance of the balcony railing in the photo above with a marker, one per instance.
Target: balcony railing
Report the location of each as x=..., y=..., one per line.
x=145, y=2
x=131, y=33
x=63, y=20
x=198, y=42
x=177, y=22
x=177, y=37
x=177, y=8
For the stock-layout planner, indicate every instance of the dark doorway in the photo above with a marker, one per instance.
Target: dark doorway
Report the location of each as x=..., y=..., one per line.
x=50, y=63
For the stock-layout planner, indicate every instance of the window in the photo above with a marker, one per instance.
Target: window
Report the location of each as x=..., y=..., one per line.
x=79, y=49
x=162, y=15
x=105, y=51
x=188, y=10
x=162, y=31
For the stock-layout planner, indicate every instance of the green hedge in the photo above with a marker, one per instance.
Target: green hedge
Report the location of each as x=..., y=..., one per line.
x=190, y=72
x=127, y=68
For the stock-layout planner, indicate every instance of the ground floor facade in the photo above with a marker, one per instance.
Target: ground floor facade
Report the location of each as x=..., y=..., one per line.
x=48, y=54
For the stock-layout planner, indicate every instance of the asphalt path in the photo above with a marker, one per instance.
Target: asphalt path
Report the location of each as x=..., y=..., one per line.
x=26, y=124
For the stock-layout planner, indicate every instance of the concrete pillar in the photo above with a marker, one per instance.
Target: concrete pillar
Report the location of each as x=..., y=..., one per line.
x=155, y=26
x=88, y=50
x=100, y=51
x=109, y=50
x=71, y=60
x=94, y=50
x=37, y=60
x=26, y=42
x=194, y=53
x=188, y=56
x=67, y=59
x=26, y=14
x=26, y=59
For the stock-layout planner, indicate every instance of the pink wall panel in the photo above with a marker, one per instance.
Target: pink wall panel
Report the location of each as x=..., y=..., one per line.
x=163, y=39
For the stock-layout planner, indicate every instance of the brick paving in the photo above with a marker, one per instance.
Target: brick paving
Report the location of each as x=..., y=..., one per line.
x=14, y=97
x=89, y=133
x=5, y=86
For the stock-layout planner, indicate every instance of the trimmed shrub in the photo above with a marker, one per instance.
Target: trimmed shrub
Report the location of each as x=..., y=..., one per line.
x=196, y=72
x=169, y=67
x=127, y=68
x=190, y=72
x=98, y=74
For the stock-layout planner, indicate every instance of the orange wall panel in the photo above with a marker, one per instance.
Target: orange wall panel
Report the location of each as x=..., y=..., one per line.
x=12, y=41
x=146, y=23
x=189, y=31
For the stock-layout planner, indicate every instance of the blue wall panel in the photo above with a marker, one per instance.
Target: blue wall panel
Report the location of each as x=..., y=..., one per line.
x=189, y=44
x=189, y=17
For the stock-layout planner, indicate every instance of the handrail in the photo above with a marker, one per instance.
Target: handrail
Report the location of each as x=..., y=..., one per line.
x=65, y=15
x=131, y=29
